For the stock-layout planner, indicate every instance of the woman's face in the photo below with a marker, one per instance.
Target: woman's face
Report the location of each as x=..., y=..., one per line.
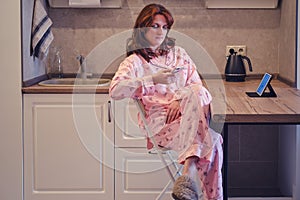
x=156, y=34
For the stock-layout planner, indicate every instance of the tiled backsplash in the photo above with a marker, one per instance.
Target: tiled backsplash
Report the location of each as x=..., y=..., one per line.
x=81, y=30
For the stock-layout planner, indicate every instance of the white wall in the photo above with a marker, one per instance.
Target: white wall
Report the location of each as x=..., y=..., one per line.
x=286, y=39
x=297, y=182
x=298, y=45
x=11, y=101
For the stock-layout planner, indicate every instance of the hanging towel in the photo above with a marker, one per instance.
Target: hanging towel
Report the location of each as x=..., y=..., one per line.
x=41, y=35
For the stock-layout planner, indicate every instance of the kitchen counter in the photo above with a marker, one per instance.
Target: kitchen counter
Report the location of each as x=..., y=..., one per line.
x=231, y=105
x=234, y=106
x=230, y=102
x=37, y=89
x=32, y=86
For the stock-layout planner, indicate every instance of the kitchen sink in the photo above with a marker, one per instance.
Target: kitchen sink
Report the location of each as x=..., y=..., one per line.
x=63, y=82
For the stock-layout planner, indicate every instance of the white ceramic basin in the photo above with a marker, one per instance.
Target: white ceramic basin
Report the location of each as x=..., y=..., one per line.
x=63, y=82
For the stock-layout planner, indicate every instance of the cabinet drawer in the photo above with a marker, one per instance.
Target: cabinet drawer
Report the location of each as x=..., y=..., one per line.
x=140, y=175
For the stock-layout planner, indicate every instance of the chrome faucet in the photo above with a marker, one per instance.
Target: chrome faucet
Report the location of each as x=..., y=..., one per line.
x=82, y=63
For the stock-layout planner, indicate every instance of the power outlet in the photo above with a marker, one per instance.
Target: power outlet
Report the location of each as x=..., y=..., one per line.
x=239, y=49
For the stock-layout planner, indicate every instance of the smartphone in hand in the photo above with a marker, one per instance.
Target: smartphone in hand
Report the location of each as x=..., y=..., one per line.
x=177, y=69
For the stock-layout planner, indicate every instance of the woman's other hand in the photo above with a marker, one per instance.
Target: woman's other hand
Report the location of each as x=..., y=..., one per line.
x=173, y=111
x=164, y=76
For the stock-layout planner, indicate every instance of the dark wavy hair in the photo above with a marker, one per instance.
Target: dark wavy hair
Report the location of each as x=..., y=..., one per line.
x=138, y=43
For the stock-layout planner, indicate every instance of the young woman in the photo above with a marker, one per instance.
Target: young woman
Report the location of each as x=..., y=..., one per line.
x=165, y=78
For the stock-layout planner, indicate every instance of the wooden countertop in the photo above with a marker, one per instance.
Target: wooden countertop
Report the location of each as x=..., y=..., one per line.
x=37, y=89
x=230, y=102
x=234, y=105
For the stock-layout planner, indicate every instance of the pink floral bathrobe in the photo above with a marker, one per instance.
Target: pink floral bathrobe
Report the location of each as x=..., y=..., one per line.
x=190, y=134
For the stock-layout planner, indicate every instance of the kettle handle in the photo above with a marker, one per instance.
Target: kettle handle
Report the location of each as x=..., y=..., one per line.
x=249, y=62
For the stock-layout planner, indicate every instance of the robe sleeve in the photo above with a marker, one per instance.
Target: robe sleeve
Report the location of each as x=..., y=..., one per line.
x=127, y=84
x=193, y=81
x=192, y=76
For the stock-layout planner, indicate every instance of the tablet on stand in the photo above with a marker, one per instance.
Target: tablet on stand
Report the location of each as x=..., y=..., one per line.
x=264, y=83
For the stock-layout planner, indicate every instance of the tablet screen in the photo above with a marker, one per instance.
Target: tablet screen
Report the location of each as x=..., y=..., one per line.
x=263, y=84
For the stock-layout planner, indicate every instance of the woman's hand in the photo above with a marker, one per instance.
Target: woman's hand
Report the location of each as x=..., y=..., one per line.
x=164, y=76
x=173, y=111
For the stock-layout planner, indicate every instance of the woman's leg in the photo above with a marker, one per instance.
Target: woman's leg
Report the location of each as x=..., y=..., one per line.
x=209, y=173
x=206, y=172
x=190, y=168
x=198, y=146
x=186, y=187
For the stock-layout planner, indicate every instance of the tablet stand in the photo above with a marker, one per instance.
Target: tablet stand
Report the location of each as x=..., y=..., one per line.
x=271, y=92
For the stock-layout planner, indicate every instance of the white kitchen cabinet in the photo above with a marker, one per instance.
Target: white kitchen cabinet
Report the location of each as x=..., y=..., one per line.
x=253, y=4
x=85, y=4
x=81, y=146
x=68, y=147
x=138, y=174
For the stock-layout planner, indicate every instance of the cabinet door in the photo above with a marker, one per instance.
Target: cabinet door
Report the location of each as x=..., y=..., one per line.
x=254, y=4
x=140, y=175
x=127, y=132
x=68, y=147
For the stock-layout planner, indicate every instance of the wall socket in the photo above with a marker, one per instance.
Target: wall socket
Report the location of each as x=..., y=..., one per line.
x=239, y=49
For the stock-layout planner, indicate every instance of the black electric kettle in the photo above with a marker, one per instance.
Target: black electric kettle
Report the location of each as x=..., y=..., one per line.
x=235, y=69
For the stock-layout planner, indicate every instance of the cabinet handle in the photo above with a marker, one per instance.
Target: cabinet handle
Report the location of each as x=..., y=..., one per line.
x=155, y=152
x=109, y=111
